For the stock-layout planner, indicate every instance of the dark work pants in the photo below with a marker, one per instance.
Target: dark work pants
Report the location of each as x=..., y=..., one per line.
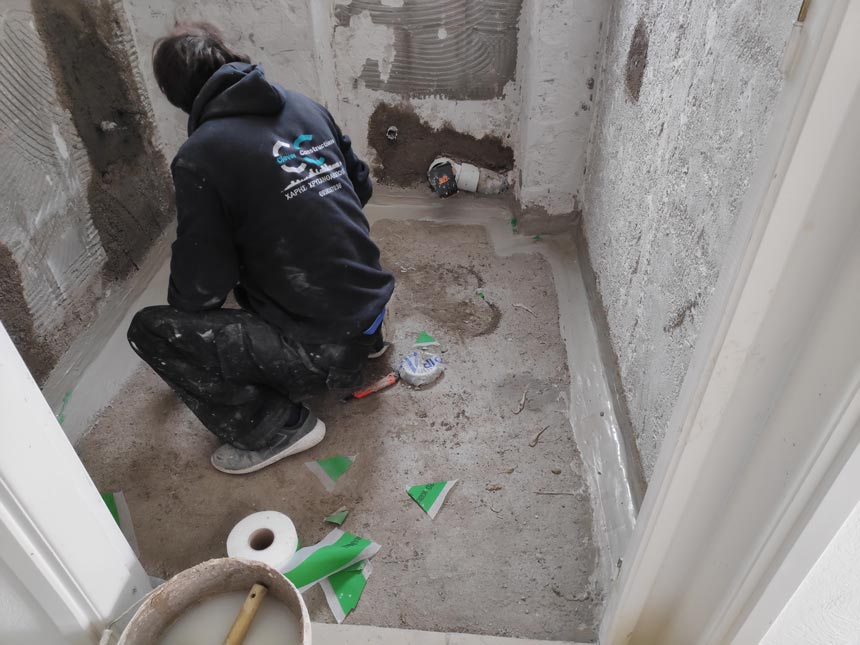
x=238, y=374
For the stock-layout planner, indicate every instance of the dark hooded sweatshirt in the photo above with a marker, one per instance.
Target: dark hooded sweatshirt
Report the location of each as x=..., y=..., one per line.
x=269, y=197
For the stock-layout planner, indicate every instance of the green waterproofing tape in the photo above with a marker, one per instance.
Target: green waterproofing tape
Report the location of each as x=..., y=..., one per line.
x=110, y=502
x=338, y=517
x=118, y=507
x=425, y=340
x=335, y=552
x=328, y=471
x=343, y=590
x=431, y=496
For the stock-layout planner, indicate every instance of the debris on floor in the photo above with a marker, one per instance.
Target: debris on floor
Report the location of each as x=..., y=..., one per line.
x=343, y=590
x=421, y=368
x=430, y=497
x=337, y=551
x=329, y=470
x=537, y=437
x=519, y=305
x=522, y=402
x=377, y=386
x=338, y=517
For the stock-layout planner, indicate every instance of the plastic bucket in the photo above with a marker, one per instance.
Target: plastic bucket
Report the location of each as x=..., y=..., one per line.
x=185, y=590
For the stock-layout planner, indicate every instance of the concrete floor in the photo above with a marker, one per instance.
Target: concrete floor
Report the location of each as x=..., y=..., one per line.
x=500, y=558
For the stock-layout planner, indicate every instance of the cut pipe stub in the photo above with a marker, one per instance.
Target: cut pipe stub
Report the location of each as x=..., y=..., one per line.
x=468, y=177
x=442, y=177
x=391, y=133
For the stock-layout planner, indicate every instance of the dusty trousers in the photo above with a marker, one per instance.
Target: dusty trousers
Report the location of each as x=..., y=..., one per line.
x=239, y=375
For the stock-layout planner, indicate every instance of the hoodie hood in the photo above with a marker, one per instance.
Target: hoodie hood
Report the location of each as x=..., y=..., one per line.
x=235, y=89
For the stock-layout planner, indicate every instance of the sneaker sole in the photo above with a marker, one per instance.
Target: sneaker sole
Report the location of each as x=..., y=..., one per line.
x=307, y=442
x=380, y=352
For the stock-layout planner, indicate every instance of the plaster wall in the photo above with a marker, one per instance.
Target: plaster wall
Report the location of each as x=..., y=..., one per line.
x=452, y=62
x=50, y=255
x=686, y=89
x=66, y=238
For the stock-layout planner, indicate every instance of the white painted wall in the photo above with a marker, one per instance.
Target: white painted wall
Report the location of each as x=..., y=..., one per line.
x=826, y=608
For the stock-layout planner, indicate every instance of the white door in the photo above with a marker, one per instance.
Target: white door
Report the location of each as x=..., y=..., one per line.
x=65, y=568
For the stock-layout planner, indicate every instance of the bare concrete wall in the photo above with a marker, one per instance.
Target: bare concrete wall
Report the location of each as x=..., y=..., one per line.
x=559, y=42
x=84, y=190
x=686, y=90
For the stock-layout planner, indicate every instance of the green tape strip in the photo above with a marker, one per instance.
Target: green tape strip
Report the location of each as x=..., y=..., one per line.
x=343, y=590
x=335, y=467
x=110, y=501
x=329, y=470
x=337, y=551
x=424, y=340
x=61, y=415
x=430, y=496
x=338, y=517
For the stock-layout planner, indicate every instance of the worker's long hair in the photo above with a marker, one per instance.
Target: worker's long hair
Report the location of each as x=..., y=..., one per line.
x=187, y=57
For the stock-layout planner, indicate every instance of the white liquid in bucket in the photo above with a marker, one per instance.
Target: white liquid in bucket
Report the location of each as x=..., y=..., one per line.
x=210, y=622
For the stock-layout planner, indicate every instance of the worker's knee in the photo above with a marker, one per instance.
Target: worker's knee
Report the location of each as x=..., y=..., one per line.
x=144, y=326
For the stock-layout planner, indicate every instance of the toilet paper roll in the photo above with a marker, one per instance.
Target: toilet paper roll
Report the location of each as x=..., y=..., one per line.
x=268, y=536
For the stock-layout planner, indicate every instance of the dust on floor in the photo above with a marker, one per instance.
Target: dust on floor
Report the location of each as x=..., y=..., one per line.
x=499, y=558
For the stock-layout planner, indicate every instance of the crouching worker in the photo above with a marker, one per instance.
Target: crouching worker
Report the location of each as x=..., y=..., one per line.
x=269, y=196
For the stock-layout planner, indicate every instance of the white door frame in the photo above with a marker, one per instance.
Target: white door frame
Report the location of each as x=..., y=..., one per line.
x=56, y=534
x=759, y=467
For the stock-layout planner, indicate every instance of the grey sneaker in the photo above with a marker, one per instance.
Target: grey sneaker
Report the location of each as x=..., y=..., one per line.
x=378, y=348
x=380, y=345
x=233, y=461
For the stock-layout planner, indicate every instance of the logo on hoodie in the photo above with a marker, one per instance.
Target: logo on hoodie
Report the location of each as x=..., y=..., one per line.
x=310, y=169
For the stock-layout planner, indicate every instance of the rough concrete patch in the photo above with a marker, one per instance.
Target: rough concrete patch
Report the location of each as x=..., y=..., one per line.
x=18, y=321
x=404, y=162
x=637, y=59
x=680, y=316
x=475, y=59
x=661, y=174
x=446, y=295
x=130, y=192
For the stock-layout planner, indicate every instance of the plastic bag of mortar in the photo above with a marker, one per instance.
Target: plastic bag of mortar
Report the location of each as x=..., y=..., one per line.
x=421, y=368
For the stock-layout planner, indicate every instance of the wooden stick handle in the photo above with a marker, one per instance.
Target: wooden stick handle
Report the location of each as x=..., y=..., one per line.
x=246, y=614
